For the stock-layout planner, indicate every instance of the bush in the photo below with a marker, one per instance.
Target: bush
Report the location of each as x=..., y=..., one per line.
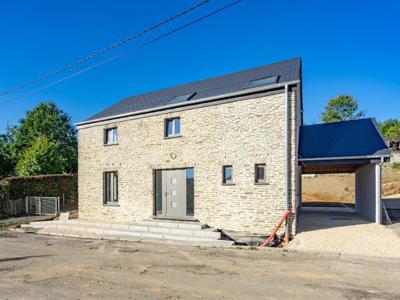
x=64, y=186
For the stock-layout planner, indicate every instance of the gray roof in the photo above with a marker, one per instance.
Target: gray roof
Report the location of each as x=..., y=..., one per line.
x=287, y=71
x=357, y=138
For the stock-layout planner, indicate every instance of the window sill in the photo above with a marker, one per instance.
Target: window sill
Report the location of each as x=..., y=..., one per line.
x=261, y=183
x=172, y=136
x=112, y=204
x=107, y=145
x=228, y=184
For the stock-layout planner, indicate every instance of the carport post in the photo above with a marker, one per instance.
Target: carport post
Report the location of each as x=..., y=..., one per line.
x=378, y=201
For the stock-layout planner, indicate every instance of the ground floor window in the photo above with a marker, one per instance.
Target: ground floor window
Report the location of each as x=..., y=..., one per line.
x=110, y=187
x=227, y=175
x=260, y=173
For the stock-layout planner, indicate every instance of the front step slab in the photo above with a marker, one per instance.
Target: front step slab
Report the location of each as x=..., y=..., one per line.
x=94, y=227
x=201, y=242
x=173, y=224
x=137, y=231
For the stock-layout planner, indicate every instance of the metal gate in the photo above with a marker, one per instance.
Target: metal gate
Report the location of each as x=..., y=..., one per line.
x=42, y=205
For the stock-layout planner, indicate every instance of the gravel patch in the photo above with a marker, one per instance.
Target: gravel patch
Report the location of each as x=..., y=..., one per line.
x=345, y=234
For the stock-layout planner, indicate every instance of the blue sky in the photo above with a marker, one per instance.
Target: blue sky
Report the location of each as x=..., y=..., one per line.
x=346, y=47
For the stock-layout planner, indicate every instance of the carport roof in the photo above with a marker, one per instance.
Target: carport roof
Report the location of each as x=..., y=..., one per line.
x=357, y=139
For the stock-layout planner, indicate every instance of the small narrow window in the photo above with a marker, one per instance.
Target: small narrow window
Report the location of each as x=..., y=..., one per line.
x=111, y=136
x=260, y=173
x=172, y=127
x=227, y=175
x=110, y=187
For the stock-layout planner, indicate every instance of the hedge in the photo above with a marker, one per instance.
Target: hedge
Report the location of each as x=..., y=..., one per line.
x=64, y=186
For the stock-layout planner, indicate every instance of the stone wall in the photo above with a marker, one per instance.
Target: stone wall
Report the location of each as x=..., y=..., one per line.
x=240, y=134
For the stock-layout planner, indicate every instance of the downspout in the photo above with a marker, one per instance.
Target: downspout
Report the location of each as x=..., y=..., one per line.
x=287, y=158
x=378, y=200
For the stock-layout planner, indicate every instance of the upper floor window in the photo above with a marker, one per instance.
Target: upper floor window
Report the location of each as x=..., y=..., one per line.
x=260, y=173
x=227, y=177
x=111, y=136
x=172, y=127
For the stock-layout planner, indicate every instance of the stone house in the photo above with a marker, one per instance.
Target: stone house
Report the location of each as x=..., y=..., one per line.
x=222, y=151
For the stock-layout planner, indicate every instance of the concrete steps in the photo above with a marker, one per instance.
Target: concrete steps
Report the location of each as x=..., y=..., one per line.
x=192, y=233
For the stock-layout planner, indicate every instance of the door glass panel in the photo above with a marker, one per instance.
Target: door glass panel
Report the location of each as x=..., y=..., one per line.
x=190, y=192
x=173, y=180
x=158, y=192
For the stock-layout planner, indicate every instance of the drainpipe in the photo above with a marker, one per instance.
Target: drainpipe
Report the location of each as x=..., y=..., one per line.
x=287, y=158
x=378, y=201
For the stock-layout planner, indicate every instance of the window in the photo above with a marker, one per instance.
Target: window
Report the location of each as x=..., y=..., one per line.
x=172, y=127
x=110, y=187
x=111, y=136
x=262, y=81
x=260, y=173
x=181, y=98
x=227, y=175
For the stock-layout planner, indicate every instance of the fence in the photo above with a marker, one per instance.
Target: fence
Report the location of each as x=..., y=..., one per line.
x=14, y=190
x=30, y=206
x=42, y=205
x=12, y=208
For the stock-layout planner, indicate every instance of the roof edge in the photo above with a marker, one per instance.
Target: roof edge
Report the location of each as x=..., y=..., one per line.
x=344, y=157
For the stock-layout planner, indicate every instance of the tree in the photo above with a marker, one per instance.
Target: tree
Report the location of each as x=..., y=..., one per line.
x=43, y=157
x=342, y=108
x=48, y=121
x=391, y=129
x=7, y=159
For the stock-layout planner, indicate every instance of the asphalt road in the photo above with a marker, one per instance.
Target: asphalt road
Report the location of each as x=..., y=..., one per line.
x=43, y=267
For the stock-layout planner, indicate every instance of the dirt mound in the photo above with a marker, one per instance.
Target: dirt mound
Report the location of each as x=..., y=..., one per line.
x=341, y=187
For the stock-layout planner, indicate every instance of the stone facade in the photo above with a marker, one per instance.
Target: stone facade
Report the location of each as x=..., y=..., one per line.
x=240, y=133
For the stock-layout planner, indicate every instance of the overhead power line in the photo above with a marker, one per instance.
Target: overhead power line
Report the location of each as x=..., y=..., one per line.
x=157, y=38
x=109, y=48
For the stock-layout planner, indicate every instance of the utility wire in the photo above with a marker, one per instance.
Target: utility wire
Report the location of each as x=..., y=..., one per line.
x=109, y=48
x=125, y=52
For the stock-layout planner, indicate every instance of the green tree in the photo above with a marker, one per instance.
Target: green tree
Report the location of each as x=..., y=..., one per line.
x=7, y=159
x=391, y=129
x=43, y=157
x=342, y=108
x=47, y=120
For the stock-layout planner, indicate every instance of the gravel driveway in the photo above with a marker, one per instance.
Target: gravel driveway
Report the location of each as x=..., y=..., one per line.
x=345, y=234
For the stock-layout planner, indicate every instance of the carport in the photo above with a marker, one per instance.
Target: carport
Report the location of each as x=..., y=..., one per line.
x=355, y=146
